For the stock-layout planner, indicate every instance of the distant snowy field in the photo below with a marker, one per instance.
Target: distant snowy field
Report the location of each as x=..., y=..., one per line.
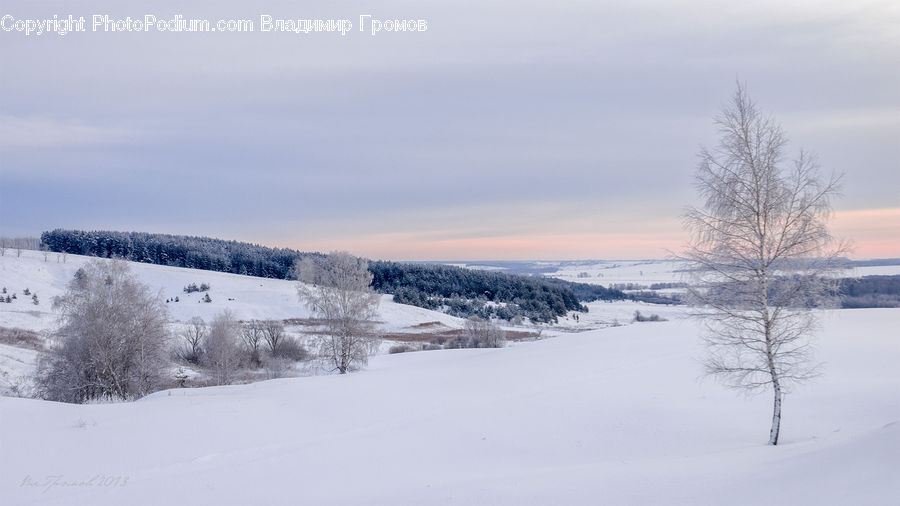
x=606, y=273
x=613, y=416
x=648, y=272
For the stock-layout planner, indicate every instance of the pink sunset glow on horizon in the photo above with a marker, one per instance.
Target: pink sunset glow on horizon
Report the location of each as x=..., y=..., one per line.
x=872, y=233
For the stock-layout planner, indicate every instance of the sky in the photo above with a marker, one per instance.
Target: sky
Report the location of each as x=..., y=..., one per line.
x=505, y=130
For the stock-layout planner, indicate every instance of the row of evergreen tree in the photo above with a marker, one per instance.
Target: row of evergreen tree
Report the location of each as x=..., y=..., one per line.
x=176, y=250
x=467, y=292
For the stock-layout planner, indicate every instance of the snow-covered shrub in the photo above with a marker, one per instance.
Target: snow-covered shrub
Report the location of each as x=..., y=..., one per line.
x=479, y=333
x=399, y=348
x=291, y=349
x=112, y=342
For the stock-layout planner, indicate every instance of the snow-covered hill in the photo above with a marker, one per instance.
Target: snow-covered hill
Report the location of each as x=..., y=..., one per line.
x=247, y=297
x=613, y=416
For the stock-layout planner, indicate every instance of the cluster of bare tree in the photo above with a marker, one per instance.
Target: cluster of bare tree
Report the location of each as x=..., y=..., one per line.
x=225, y=346
x=18, y=244
x=478, y=333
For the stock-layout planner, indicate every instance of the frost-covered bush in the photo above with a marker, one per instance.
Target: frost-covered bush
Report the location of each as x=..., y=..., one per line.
x=479, y=333
x=291, y=349
x=399, y=348
x=113, y=338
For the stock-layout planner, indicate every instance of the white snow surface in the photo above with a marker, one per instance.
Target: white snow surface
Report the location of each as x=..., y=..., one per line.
x=17, y=367
x=612, y=416
x=610, y=272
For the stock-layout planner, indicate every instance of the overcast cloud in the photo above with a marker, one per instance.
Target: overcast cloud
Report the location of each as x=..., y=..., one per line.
x=506, y=130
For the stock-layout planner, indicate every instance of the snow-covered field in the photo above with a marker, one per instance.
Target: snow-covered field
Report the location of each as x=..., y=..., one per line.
x=613, y=416
x=606, y=273
x=598, y=414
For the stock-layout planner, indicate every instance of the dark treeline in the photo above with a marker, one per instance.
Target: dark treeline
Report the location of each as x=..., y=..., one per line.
x=877, y=262
x=464, y=292
x=179, y=251
x=586, y=292
x=870, y=291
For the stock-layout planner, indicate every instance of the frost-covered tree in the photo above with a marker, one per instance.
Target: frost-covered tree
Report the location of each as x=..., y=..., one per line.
x=338, y=291
x=221, y=351
x=761, y=253
x=111, y=341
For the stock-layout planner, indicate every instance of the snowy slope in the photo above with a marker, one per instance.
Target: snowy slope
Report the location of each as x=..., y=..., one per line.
x=247, y=297
x=614, y=416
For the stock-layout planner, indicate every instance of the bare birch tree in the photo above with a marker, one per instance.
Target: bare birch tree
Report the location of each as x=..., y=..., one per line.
x=338, y=292
x=761, y=254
